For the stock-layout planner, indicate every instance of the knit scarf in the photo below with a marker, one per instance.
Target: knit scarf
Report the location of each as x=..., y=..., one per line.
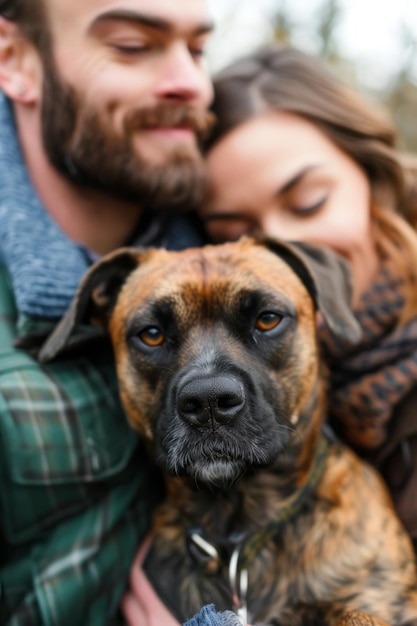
x=44, y=265
x=370, y=378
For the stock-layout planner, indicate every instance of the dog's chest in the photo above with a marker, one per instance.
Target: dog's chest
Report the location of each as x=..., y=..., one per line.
x=310, y=561
x=276, y=568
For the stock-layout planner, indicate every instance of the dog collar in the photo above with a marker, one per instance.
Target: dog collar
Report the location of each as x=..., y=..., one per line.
x=211, y=554
x=239, y=549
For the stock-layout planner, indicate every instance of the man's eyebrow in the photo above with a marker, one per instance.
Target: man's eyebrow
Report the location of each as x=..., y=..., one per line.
x=146, y=20
x=295, y=179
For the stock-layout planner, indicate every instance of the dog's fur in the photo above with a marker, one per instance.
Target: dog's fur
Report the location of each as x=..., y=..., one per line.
x=219, y=370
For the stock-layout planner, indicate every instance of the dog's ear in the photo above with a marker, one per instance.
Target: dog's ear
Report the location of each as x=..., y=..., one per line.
x=327, y=278
x=94, y=299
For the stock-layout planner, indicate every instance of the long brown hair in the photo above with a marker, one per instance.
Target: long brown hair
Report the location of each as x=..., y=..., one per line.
x=283, y=78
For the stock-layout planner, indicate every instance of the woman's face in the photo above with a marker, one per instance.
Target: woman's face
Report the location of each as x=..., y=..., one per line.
x=278, y=175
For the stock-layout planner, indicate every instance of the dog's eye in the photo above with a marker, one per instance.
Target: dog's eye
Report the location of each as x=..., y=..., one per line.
x=152, y=336
x=267, y=321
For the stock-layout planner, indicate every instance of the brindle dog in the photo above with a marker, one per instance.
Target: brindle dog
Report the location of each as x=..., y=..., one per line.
x=219, y=370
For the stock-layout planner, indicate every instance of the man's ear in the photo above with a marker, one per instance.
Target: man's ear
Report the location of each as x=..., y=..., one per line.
x=94, y=300
x=20, y=65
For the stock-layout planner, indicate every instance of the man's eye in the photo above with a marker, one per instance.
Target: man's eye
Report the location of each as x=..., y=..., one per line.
x=152, y=337
x=197, y=46
x=130, y=49
x=268, y=321
x=197, y=52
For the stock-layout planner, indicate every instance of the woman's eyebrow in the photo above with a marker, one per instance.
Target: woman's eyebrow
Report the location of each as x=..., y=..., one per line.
x=296, y=178
x=145, y=19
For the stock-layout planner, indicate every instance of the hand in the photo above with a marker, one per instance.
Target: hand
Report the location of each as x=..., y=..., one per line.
x=140, y=605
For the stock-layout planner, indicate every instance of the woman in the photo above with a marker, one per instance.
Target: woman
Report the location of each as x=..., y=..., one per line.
x=297, y=155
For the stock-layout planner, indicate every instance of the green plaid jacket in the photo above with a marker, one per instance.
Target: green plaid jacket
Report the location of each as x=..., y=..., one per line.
x=76, y=491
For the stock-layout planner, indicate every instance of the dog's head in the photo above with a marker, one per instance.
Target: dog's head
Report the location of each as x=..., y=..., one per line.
x=216, y=347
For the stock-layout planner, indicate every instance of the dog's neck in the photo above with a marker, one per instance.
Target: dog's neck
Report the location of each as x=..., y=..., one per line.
x=271, y=490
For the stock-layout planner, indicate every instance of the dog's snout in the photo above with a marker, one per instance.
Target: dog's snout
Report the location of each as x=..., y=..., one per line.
x=202, y=401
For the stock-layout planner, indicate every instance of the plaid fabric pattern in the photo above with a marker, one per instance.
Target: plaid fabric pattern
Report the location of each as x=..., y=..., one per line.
x=76, y=489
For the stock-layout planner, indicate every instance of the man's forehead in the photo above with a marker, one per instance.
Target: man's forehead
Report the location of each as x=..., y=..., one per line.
x=193, y=14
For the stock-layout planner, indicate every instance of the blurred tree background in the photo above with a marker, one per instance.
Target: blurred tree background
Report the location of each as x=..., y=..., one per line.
x=318, y=28
x=399, y=94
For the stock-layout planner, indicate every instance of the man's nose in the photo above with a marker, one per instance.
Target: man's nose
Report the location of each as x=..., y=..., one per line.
x=183, y=77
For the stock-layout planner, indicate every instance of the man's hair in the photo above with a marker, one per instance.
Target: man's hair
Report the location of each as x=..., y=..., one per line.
x=10, y=9
x=29, y=15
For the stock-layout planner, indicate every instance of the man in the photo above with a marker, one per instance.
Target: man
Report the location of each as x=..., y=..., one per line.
x=102, y=108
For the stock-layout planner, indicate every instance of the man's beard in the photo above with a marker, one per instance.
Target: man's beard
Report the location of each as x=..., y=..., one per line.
x=82, y=144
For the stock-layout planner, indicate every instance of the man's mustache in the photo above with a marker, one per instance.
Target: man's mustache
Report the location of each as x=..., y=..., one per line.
x=169, y=115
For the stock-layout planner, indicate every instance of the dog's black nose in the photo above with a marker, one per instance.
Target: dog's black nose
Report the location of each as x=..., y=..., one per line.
x=202, y=401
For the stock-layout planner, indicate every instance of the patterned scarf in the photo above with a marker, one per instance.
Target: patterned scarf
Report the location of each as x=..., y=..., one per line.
x=369, y=379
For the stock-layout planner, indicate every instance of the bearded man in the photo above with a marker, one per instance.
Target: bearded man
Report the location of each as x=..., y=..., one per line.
x=103, y=106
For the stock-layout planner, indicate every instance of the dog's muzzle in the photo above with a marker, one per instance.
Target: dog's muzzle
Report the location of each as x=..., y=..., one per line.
x=210, y=400
x=217, y=423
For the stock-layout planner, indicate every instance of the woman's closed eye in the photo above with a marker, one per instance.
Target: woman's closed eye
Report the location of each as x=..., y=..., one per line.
x=309, y=208
x=306, y=196
x=228, y=227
